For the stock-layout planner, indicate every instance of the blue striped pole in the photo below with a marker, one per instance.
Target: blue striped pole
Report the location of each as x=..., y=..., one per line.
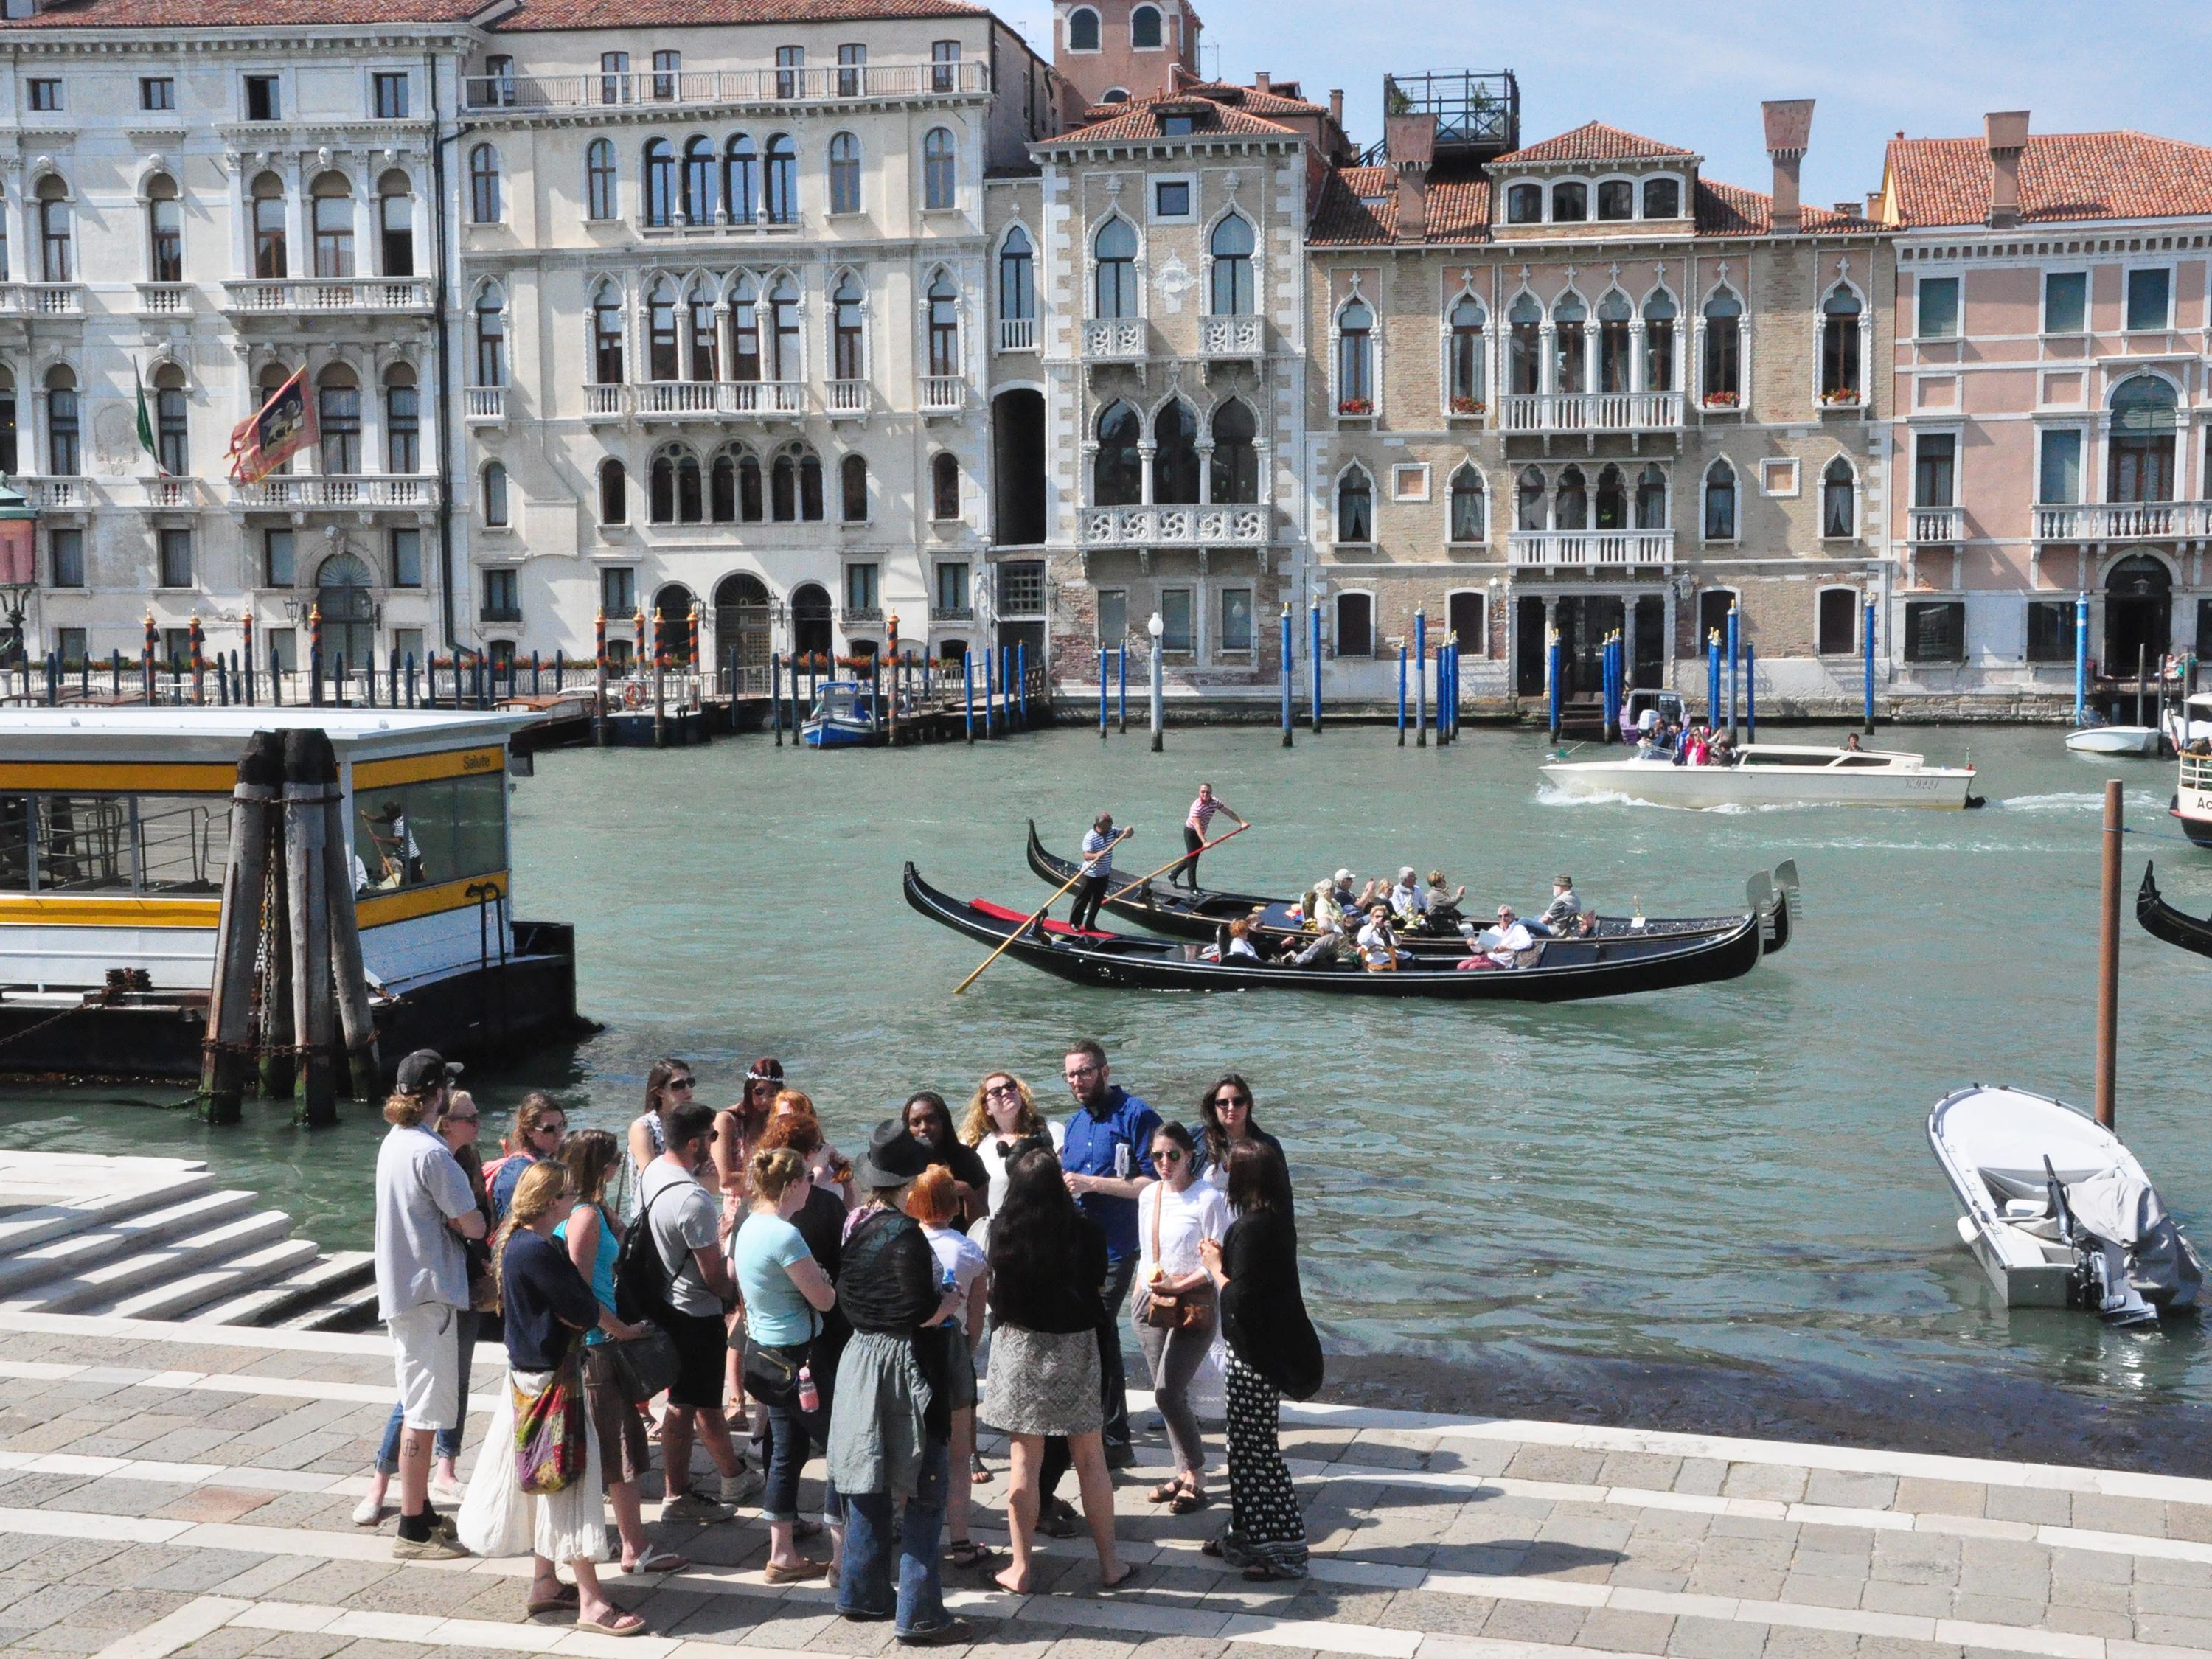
x=1314, y=647
x=1713, y=678
x=1022, y=678
x=1866, y=648
x=1102, y=694
x=1735, y=665
x=1751, y=693
x=2081, y=658
x=1552, y=679
x=1447, y=664
x=967, y=689
x=1286, y=673
x=1401, y=696
x=1421, y=682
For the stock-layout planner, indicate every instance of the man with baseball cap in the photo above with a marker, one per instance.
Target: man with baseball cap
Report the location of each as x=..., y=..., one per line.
x=424, y=1209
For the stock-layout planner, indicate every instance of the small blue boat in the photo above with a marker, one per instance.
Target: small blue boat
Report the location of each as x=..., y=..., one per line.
x=845, y=715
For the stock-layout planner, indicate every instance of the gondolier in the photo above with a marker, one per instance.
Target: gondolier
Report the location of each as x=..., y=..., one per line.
x=1097, y=869
x=1195, y=829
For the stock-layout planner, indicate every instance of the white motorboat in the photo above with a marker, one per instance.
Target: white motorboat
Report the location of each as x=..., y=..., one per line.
x=2113, y=740
x=1775, y=775
x=2057, y=1211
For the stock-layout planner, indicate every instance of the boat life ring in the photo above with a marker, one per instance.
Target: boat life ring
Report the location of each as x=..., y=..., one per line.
x=633, y=696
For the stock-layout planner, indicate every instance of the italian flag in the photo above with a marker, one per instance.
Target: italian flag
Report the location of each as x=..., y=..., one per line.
x=146, y=422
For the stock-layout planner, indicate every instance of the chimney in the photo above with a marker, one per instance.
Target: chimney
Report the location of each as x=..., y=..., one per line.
x=1336, y=104
x=2008, y=135
x=1789, y=125
x=1262, y=81
x=1874, y=205
x=1410, y=141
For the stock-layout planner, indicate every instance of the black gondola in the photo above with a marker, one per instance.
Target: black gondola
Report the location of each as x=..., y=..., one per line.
x=1558, y=970
x=2162, y=920
x=1203, y=914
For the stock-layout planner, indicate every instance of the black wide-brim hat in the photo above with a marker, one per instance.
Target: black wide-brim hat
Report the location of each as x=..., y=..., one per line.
x=893, y=1158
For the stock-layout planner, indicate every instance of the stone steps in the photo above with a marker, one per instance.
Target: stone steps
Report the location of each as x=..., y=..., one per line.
x=97, y=1288
x=24, y=1275
x=354, y=1312
x=314, y=1289
x=177, y=1297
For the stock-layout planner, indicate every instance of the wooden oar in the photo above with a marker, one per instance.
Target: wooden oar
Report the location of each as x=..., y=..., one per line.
x=1204, y=846
x=1038, y=915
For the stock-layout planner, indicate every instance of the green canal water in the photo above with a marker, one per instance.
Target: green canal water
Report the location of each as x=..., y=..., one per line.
x=1736, y=1176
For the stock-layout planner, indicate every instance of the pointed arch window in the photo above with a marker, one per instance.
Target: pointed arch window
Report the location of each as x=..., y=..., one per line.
x=1651, y=497
x=491, y=337
x=844, y=173
x=1720, y=502
x=700, y=309
x=1117, y=470
x=1722, y=366
x=1464, y=379
x=699, y=181
x=744, y=330
x=1840, y=378
x=1114, y=290
x=1659, y=314
x=1614, y=341
x=1570, y=347
x=601, y=190
x=938, y=175
x=752, y=492
x=1612, y=500
x=1529, y=502
x=1525, y=357
x=1236, y=463
x=1175, y=455
x=781, y=182
x=1355, y=360
x=1230, y=290
x=944, y=303
x=1571, y=508
x=848, y=340
x=1838, y=500
x=659, y=184
x=661, y=361
x=1467, y=518
x=783, y=324
x=722, y=488
x=740, y=178
x=1017, y=277
x=607, y=335
x=1355, y=506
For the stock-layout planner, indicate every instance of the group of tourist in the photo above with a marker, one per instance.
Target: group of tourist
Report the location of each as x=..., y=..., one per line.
x=834, y=1308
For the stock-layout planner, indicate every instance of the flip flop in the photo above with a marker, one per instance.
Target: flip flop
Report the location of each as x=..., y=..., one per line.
x=634, y=1626
x=560, y=1602
x=1128, y=1571
x=657, y=1559
x=966, y=1552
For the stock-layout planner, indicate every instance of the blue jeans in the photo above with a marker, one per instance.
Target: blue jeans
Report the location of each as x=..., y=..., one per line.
x=873, y=1530
x=449, y=1440
x=791, y=1440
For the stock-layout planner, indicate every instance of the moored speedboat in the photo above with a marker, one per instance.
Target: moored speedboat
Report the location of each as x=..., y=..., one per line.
x=2113, y=740
x=2057, y=1211
x=1775, y=775
x=843, y=717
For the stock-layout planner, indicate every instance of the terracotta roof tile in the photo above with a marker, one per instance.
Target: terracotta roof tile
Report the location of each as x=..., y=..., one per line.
x=1729, y=210
x=1129, y=123
x=1593, y=141
x=263, y=14
x=1250, y=100
x=2064, y=176
x=1359, y=206
x=667, y=14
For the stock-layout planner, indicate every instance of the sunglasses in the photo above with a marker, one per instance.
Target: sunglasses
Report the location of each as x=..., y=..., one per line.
x=1170, y=1157
x=1242, y=1102
x=679, y=1083
x=1002, y=1092
x=460, y=1117
x=548, y=1129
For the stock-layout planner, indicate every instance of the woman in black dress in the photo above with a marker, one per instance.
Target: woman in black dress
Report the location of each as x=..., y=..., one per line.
x=1273, y=1351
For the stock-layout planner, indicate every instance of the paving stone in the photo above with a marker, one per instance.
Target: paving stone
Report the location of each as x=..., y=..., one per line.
x=1623, y=1631
x=333, y=1584
x=1841, y=1489
x=227, y=1643
x=1786, y=1642
x=2172, y=1631
x=1534, y=1621
x=64, y=1638
x=2189, y=1520
x=1561, y=1463
x=1773, y=1482
x=1916, y=1600
x=2144, y=1517
x=1921, y=1496
x=1646, y=1471
x=1900, y=1647
x=1997, y=1610
x=1806, y=1590
x=1715, y=1638
x=218, y=1504
x=48, y=1603
x=2087, y=1621
x=1438, y=1614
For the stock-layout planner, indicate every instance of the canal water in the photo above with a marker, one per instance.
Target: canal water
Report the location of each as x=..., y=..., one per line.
x=1730, y=1181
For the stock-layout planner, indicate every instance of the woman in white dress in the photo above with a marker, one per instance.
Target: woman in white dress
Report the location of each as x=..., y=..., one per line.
x=1003, y=1122
x=1175, y=1215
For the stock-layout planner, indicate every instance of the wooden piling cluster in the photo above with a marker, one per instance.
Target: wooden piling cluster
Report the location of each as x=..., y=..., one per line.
x=289, y=1002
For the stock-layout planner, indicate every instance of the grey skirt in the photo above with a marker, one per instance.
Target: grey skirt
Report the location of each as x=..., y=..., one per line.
x=1043, y=1382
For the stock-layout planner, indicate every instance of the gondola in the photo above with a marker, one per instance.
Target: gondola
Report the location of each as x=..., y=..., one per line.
x=2162, y=920
x=1555, y=970
x=1202, y=914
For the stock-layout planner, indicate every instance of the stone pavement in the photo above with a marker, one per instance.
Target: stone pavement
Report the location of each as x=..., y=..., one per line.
x=171, y=1490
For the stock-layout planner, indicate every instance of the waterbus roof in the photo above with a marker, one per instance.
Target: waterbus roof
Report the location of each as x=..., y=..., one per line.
x=205, y=735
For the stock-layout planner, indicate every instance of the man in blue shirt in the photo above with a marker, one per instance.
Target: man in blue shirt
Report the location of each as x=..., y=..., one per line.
x=1108, y=1161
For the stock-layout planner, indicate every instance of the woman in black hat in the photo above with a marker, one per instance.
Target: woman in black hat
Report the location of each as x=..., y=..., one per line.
x=1273, y=1351
x=891, y=1418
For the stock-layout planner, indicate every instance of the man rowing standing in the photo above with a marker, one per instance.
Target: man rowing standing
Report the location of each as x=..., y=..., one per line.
x=1091, y=886
x=1195, y=829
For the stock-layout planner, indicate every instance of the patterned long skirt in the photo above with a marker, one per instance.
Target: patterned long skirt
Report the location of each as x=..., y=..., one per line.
x=1266, y=1528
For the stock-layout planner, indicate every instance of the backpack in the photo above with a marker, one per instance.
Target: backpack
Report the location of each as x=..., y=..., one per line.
x=642, y=1281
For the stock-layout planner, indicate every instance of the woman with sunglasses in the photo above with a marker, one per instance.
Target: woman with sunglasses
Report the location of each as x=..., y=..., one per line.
x=1225, y=1112
x=1003, y=1122
x=667, y=1085
x=738, y=1131
x=1175, y=1215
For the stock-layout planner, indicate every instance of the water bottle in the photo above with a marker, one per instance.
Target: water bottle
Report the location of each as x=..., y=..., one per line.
x=809, y=1397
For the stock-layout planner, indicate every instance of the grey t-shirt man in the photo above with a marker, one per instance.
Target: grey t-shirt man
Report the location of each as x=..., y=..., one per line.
x=419, y=1188
x=684, y=1221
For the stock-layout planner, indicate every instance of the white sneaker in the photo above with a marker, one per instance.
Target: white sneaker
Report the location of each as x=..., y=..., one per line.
x=736, y=1488
x=451, y=1491
x=368, y=1512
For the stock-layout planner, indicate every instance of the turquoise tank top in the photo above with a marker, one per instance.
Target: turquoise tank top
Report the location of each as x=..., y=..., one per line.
x=603, y=1268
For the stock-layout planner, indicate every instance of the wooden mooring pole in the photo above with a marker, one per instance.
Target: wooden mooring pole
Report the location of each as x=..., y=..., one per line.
x=225, y=1052
x=310, y=778
x=2108, y=962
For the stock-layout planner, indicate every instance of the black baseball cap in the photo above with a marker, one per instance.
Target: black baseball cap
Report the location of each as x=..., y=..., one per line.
x=424, y=1070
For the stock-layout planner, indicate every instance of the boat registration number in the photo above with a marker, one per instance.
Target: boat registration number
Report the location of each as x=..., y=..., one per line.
x=1924, y=783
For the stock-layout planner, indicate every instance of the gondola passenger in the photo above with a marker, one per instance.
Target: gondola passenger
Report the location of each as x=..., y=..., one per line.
x=1378, y=943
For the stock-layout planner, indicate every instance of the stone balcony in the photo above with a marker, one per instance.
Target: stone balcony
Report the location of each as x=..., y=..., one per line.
x=340, y=492
x=1231, y=338
x=944, y=394
x=1589, y=549
x=694, y=400
x=1116, y=340
x=1228, y=526
x=1017, y=334
x=41, y=300
x=858, y=83
x=486, y=406
x=323, y=296
x=1929, y=526
x=1551, y=412
x=2124, y=521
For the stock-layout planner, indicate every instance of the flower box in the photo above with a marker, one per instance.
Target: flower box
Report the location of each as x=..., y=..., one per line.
x=1470, y=406
x=1723, y=400
x=1839, y=397
x=1355, y=406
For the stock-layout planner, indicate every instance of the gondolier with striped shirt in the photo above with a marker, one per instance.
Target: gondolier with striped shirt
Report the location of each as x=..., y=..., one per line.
x=1091, y=886
x=1195, y=831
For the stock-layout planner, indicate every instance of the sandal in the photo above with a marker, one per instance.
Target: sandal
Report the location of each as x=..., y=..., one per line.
x=966, y=1552
x=1188, y=1502
x=622, y=1624
x=1166, y=1492
x=657, y=1559
x=1128, y=1571
x=560, y=1602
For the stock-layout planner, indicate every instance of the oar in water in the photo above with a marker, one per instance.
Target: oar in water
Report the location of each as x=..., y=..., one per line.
x=1039, y=913
x=1204, y=846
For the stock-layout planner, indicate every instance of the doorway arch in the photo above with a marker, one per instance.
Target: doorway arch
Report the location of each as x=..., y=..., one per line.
x=348, y=612
x=2139, y=613
x=742, y=640
x=672, y=609
x=810, y=620
x=1018, y=468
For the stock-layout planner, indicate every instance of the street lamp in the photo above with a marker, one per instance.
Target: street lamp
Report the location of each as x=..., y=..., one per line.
x=1156, y=627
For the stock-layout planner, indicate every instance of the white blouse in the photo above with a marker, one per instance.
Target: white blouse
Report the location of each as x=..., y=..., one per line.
x=995, y=1167
x=1200, y=1211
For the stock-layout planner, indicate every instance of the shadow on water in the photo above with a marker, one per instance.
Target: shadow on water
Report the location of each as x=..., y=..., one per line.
x=1696, y=1207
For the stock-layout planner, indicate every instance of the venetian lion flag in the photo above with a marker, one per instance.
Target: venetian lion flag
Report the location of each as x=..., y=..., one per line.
x=275, y=432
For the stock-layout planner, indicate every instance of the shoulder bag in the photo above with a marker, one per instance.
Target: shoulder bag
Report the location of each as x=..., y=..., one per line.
x=1180, y=1310
x=549, y=1447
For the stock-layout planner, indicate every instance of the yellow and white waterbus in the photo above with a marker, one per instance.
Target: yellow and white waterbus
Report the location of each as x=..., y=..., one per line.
x=114, y=828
